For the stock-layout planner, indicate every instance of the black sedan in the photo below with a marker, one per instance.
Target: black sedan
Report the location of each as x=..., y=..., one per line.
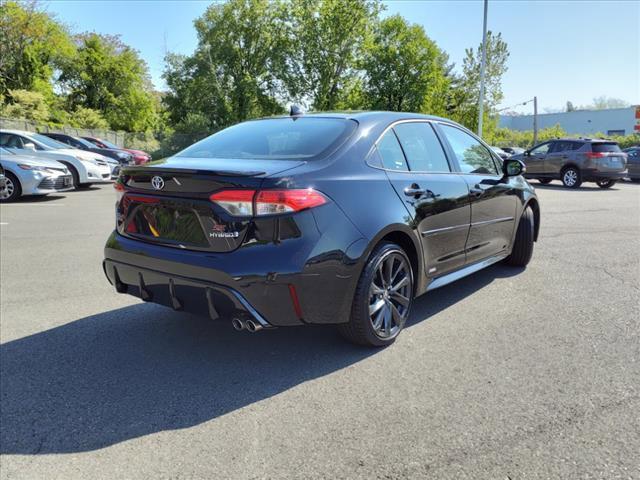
x=124, y=158
x=319, y=219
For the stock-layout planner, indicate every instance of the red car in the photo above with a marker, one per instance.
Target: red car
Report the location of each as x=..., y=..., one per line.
x=139, y=157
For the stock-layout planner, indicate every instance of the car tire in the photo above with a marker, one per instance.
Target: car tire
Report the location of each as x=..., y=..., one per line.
x=544, y=181
x=522, y=250
x=606, y=183
x=571, y=177
x=13, y=189
x=74, y=175
x=381, y=307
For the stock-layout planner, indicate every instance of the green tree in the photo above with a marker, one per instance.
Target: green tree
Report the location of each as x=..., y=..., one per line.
x=404, y=69
x=32, y=45
x=26, y=105
x=326, y=42
x=464, y=96
x=232, y=75
x=108, y=76
x=88, y=118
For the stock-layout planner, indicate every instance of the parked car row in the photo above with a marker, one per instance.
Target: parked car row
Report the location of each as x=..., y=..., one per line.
x=38, y=164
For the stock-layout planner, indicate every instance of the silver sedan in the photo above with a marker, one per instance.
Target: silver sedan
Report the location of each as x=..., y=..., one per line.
x=30, y=175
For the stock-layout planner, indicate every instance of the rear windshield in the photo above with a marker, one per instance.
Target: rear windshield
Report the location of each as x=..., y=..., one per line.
x=273, y=139
x=605, y=147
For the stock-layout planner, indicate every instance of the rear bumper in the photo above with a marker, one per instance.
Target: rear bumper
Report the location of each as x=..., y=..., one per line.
x=307, y=278
x=595, y=175
x=180, y=293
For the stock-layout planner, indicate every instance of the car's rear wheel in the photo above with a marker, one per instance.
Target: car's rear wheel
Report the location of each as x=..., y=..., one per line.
x=12, y=190
x=606, y=183
x=544, y=181
x=523, y=245
x=571, y=177
x=383, y=298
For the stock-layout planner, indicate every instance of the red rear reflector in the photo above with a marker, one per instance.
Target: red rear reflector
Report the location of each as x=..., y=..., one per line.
x=270, y=202
x=595, y=154
x=295, y=301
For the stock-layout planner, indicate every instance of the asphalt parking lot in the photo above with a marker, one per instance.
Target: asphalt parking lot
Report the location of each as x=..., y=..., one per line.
x=505, y=374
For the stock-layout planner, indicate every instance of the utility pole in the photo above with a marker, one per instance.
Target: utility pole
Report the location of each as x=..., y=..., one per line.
x=482, y=68
x=535, y=121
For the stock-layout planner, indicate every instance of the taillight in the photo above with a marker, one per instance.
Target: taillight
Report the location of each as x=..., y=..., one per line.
x=236, y=202
x=270, y=202
x=119, y=188
x=595, y=154
x=267, y=202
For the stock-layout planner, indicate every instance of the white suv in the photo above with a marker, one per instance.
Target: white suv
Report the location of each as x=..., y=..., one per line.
x=85, y=167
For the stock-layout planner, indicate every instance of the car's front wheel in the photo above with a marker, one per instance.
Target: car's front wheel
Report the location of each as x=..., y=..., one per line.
x=522, y=250
x=606, y=183
x=383, y=298
x=571, y=177
x=12, y=190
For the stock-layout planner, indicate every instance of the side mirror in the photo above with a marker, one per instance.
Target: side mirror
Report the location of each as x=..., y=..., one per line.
x=513, y=168
x=526, y=153
x=30, y=146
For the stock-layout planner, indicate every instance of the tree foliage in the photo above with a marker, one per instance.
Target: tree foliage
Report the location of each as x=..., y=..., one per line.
x=26, y=105
x=32, y=45
x=232, y=75
x=404, y=69
x=110, y=77
x=465, y=94
x=327, y=38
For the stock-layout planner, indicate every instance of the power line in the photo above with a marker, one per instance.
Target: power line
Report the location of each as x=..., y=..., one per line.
x=515, y=105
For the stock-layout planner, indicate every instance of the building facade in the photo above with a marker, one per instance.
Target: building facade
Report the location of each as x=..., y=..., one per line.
x=615, y=121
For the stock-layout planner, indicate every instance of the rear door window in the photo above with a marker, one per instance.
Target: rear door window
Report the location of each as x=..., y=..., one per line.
x=605, y=147
x=472, y=156
x=391, y=152
x=422, y=148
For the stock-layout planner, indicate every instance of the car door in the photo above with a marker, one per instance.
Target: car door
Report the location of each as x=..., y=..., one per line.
x=535, y=159
x=556, y=157
x=437, y=199
x=493, y=196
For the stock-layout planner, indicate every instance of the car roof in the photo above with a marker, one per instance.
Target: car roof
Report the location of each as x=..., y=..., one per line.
x=16, y=132
x=586, y=140
x=364, y=117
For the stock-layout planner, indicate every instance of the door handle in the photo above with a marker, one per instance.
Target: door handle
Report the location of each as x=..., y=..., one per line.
x=476, y=191
x=414, y=191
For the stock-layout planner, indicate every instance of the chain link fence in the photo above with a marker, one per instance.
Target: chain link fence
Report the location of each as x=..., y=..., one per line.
x=159, y=145
x=119, y=138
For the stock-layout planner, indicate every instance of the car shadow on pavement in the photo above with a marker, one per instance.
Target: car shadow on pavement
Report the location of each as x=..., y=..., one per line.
x=143, y=369
x=585, y=187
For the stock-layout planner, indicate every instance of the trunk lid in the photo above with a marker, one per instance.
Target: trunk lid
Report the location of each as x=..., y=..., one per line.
x=167, y=201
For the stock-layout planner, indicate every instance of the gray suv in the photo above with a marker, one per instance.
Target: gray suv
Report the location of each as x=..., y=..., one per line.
x=575, y=160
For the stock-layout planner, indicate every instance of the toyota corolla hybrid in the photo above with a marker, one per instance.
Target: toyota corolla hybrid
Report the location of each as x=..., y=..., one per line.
x=30, y=175
x=85, y=167
x=319, y=219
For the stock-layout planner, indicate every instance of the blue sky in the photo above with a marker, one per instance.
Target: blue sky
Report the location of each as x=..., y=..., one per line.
x=560, y=50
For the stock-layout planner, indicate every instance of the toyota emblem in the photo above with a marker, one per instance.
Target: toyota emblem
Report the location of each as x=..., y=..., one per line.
x=157, y=182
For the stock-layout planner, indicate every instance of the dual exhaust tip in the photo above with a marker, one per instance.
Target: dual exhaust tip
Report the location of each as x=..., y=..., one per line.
x=247, y=324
